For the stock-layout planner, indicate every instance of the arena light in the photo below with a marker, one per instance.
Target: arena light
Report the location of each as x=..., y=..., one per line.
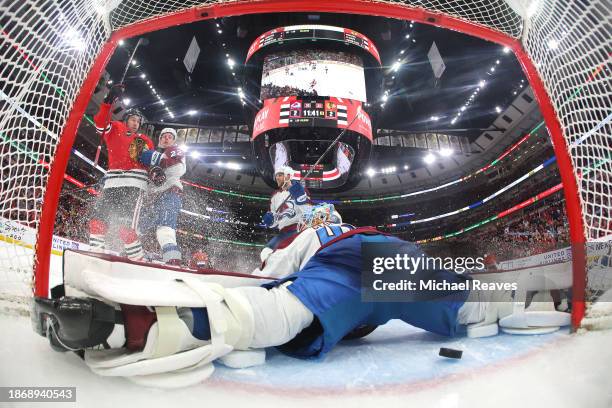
x=143, y=76
x=434, y=118
x=463, y=108
x=121, y=42
x=195, y=154
x=233, y=166
x=407, y=36
x=74, y=39
x=134, y=62
x=406, y=167
x=497, y=62
x=231, y=63
x=533, y=8
x=498, y=109
x=370, y=172
x=453, y=121
x=492, y=69
x=396, y=66
x=126, y=101
x=506, y=50
x=482, y=83
x=385, y=98
x=192, y=112
x=446, y=152
x=429, y=158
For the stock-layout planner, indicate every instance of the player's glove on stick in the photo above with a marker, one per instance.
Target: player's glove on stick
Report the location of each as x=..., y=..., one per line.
x=115, y=93
x=297, y=191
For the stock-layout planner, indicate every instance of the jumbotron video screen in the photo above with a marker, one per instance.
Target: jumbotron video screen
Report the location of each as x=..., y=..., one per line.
x=313, y=73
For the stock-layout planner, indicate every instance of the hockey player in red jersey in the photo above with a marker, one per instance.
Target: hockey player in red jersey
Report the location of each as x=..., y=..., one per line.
x=126, y=179
x=166, y=166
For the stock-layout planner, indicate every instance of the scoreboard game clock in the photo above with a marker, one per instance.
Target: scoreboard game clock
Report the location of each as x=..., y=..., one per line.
x=323, y=112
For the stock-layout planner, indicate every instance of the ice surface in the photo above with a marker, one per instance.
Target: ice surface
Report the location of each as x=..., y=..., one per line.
x=396, y=365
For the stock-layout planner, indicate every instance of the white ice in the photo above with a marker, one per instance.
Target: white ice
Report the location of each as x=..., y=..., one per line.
x=396, y=365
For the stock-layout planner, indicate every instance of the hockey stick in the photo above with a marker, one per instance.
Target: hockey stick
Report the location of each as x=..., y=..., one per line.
x=333, y=143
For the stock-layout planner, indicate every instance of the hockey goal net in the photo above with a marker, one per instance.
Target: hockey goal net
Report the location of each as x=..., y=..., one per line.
x=52, y=54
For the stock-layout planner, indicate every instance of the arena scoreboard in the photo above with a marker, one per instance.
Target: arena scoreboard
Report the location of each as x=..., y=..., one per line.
x=313, y=33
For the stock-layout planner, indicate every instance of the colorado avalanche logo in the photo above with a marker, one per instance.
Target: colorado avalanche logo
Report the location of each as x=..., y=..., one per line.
x=286, y=210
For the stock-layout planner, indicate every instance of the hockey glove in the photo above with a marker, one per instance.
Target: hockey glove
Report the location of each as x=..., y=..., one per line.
x=268, y=219
x=151, y=158
x=157, y=175
x=115, y=93
x=297, y=192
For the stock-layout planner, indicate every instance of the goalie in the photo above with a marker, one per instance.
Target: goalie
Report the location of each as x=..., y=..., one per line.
x=125, y=181
x=304, y=313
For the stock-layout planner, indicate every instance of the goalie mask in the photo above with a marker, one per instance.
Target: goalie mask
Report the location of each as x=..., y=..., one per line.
x=317, y=215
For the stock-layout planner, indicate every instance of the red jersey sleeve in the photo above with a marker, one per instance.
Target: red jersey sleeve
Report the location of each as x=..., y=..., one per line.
x=102, y=120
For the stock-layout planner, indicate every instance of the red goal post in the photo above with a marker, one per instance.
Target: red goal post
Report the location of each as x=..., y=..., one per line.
x=35, y=66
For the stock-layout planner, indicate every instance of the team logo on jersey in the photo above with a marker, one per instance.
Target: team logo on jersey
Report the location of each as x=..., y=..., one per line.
x=287, y=210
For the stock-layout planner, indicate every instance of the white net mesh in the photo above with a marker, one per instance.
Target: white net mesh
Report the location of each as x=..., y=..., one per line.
x=569, y=42
x=48, y=48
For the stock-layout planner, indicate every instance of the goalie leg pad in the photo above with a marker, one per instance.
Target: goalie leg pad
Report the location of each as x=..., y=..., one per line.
x=170, y=345
x=176, y=379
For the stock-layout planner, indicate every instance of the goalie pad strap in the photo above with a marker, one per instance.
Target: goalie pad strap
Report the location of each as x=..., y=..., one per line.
x=169, y=325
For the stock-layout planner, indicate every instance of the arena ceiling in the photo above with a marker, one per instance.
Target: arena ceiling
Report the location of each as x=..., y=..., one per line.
x=479, y=81
x=416, y=99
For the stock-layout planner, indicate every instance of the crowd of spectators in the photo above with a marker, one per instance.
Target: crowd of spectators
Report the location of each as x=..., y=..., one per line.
x=284, y=58
x=21, y=191
x=531, y=232
x=273, y=91
x=72, y=217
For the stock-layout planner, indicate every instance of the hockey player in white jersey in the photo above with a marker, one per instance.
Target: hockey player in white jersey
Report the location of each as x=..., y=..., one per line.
x=166, y=166
x=286, y=206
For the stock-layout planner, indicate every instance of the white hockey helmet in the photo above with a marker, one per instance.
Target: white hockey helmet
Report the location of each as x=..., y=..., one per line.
x=286, y=170
x=168, y=130
x=317, y=214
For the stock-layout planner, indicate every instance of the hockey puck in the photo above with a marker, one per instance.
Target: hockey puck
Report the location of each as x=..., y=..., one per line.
x=450, y=353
